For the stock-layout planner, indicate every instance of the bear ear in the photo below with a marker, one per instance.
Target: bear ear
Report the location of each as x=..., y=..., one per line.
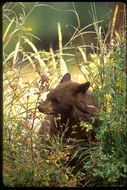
x=66, y=77
x=83, y=87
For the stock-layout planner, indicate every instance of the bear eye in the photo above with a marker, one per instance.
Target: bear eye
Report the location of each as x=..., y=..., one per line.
x=55, y=100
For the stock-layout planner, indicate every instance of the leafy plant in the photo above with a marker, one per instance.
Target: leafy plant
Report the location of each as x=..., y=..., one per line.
x=28, y=160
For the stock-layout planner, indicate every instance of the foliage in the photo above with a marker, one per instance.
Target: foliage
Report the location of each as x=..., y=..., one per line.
x=108, y=75
x=32, y=160
x=107, y=168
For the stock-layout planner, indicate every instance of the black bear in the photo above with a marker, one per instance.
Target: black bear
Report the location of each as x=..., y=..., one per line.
x=67, y=105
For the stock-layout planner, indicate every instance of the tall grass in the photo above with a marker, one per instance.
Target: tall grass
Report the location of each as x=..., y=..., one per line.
x=27, y=160
x=106, y=70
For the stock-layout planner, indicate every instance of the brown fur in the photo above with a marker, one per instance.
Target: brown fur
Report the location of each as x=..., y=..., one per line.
x=74, y=103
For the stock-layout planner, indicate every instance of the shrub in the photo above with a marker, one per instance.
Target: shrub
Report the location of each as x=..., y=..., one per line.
x=27, y=161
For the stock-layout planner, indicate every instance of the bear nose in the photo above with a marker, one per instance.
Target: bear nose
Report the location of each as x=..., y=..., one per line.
x=39, y=107
x=45, y=107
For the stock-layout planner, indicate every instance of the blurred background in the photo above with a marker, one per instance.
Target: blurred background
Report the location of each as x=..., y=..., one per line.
x=42, y=21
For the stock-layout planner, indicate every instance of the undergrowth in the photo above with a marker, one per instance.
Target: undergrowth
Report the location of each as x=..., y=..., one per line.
x=27, y=160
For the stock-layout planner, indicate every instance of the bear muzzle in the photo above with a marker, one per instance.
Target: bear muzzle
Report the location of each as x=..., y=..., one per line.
x=45, y=107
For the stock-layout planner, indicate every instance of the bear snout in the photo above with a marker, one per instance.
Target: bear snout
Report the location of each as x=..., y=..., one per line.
x=39, y=107
x=45, y=107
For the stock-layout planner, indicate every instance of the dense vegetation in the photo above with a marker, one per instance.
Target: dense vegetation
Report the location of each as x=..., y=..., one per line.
x=27, y=160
